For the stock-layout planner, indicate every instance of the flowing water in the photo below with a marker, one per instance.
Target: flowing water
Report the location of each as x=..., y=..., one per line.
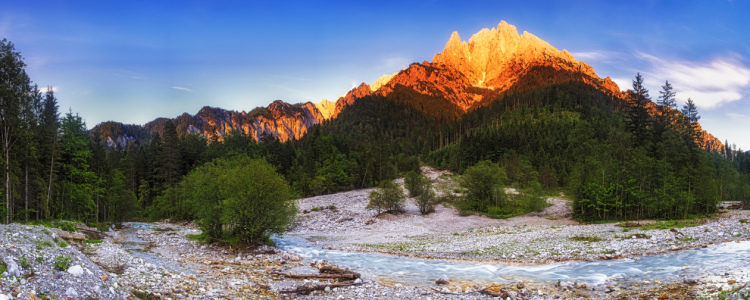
x=139, y=248
x=664, y=267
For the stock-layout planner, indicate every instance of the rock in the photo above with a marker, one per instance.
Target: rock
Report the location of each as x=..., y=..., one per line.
x=71, y=292
x=75, y=270
x=3, y=297
x=358, y=281
x=13, y=269
x=327, y=289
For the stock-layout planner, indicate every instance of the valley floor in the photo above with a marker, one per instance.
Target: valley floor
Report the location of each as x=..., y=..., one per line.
x=159, y=261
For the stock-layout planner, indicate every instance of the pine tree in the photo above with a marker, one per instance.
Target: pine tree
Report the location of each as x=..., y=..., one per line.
x=49, y=133
x=666, y=101
x=639, y=120
x=690, y=111
x=171, y=162
x=14, y=92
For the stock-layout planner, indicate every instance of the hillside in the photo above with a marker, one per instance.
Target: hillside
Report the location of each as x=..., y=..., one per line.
x=463, y=77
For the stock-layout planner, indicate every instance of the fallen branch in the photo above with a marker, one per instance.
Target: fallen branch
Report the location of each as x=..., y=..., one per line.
x=306, y=289
x=335, y=270
x=485, y=291
x=345, y=276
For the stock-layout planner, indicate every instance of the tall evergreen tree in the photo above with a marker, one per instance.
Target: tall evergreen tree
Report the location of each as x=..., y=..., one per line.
x=639, y=119
x=690, y=111
x=171, y=161
x=666, y=101
x=14, y=92
x=48, y=140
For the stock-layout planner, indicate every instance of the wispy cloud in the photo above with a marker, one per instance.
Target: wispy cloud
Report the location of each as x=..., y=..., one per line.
x=183, y=89
x=736, y=116
x=590, y=55
x=392, y=64
x=710, y=84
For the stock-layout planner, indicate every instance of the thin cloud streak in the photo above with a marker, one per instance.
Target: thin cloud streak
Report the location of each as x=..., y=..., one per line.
x=709, y=84
x=183, y=89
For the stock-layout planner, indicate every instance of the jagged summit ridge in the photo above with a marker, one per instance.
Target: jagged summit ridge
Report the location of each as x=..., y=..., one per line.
x=489, y=57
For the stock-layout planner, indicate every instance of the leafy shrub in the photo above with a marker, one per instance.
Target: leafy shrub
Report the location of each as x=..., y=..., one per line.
x=388, y=197
x=23, y=262
x=3, y=268
x=331, y=206
x=315, y=208
x=62, y=262
x=420, y=187
x=42, y=244
x=62, y=244
x=483, y=186
x=426, y=201
x=240, y=199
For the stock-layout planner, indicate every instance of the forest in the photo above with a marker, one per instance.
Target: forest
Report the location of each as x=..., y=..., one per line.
x=617, y=159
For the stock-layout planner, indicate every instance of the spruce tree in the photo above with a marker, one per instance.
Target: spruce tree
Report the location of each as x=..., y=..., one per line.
x=639, y=120
x=666, y=101
x=171, y=162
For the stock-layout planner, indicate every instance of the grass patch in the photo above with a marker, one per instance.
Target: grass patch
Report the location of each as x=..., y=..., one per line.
x=743, y=221
x=93, y=241
x=687, y=239
x=62, y=244
x=672, y=224
x=62, y=262
x=586, y=238
x=41, y=244
x=635, y=235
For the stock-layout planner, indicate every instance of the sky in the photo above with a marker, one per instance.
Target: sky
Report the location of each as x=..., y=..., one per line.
x=134, y=61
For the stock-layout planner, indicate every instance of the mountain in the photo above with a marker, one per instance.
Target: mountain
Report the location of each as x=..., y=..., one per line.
x=280, y=119
x=461, y=78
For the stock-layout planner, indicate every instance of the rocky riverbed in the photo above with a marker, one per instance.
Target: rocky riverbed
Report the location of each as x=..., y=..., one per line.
x=170, y=266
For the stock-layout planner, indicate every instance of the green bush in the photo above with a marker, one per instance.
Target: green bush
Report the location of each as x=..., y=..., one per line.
x=62, y=262
x=420, y=188
x=388, y=197
x=331, y=206
x=426, y=201
x=62, y=244
x=483, y=186
x=238, y=199
x=23, y=262
x=41, y=244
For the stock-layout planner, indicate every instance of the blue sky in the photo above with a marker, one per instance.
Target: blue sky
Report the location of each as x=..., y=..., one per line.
x=137, y=60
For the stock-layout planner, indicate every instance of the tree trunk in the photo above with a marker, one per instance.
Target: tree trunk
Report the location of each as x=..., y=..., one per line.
x=49, y=187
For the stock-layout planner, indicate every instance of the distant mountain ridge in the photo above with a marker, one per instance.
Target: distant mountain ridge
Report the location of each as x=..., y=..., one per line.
x=463, y=77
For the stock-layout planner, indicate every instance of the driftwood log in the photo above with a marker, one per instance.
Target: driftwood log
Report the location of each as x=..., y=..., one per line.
x=342, y=276
x=485, y=291
x=306, y=289
x=92, y=233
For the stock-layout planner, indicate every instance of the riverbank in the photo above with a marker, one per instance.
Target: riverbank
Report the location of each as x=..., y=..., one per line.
x=341, y=221
x=158, y=261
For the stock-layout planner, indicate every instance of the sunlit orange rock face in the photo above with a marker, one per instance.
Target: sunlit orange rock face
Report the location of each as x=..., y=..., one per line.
x=468, y=74
x=464, y=76
x=280, y=119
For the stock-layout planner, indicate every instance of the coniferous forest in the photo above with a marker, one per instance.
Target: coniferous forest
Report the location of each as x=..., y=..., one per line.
x=617, y=159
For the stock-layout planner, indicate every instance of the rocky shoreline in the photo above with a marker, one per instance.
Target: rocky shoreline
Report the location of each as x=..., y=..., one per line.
x=174, y=267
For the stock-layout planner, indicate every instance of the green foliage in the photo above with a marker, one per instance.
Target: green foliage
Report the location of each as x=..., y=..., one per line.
x=672, y=224
x=331, y=206
x=41, y=244
x=3, y=268
x=23, y=262
x=388, y=197
x=586, y=238
x=237, y=197
x=62, y=244
x=420, y=188
x=483, y=183
x=62, y=262
x=93, y=241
